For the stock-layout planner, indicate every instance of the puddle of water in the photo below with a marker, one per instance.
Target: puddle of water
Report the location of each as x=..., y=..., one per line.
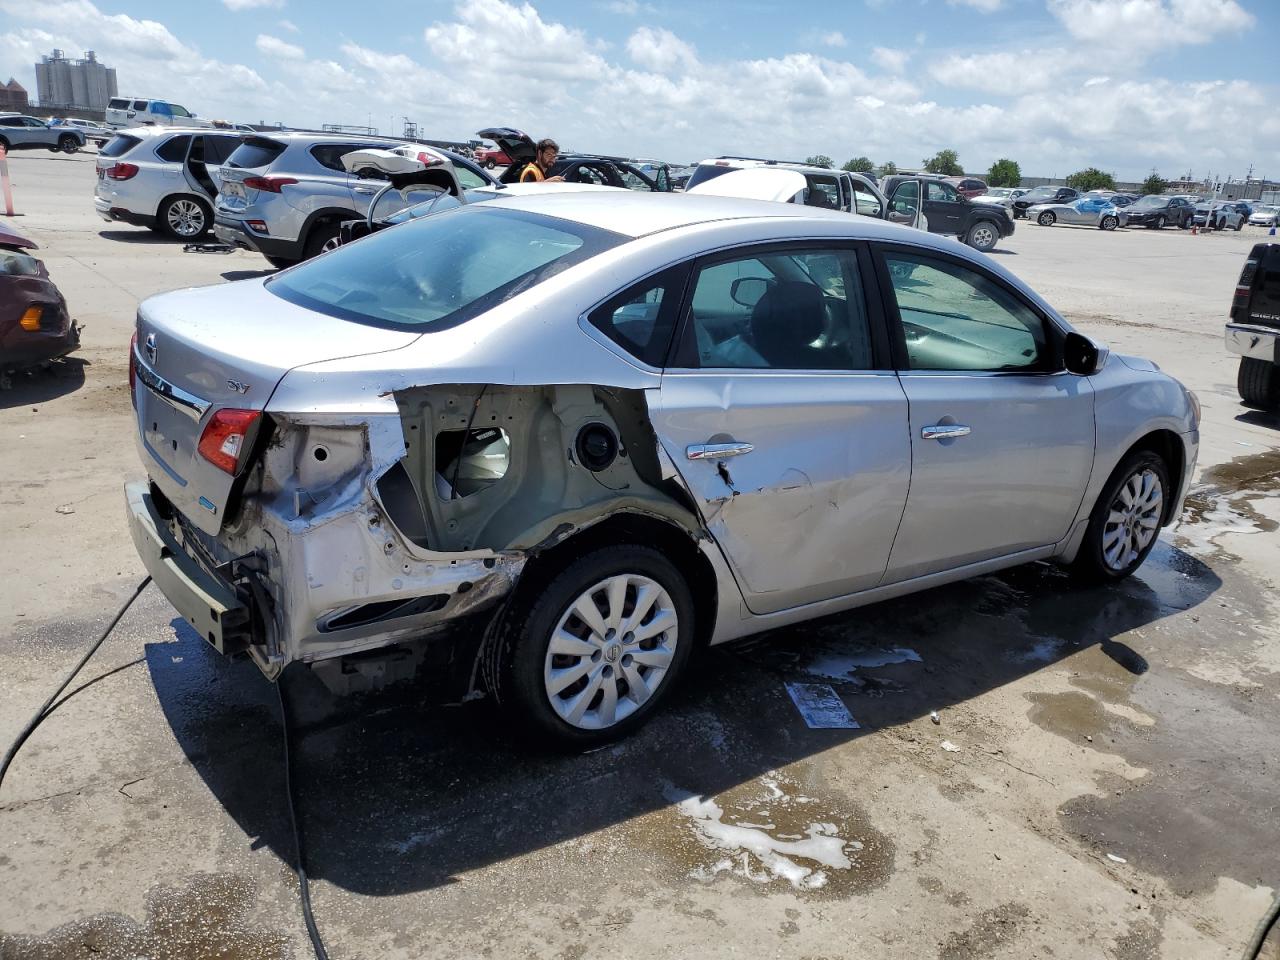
x=770, y=833
x=834, y=665
x=1223, y=502
x=205, y=918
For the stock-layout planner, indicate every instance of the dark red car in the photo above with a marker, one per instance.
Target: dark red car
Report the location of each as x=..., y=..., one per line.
x=968, y=187
x=35, y=325
x=490, y=157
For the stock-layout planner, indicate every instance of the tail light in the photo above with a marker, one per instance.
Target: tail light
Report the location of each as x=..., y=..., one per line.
x=1244, y=291
x=269, y=184
x=122, y=171
x=133, y=369
x=226, y=437
x=428, y=159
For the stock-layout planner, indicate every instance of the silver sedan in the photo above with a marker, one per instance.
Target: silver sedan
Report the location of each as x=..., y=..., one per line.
x=603, y=430
x=1087, y=211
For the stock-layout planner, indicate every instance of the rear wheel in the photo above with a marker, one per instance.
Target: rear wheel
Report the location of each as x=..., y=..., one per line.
x=489, y=164
x=1258, y=383
x=1126, y=519
x=1109, y=222
x=184, y=218
x=1047, y=219
x=588, y=656
x=322, y=238
x=983, y=236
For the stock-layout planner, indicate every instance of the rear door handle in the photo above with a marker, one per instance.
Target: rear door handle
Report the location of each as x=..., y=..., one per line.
x=716, y=451
x=944, y=431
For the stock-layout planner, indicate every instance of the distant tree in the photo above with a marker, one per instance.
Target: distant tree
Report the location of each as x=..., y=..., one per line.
x=820, y=160
x=945, y=162
x=1091, y=178
x=1004, y=173
x=888, y=168
x=1154, y=184
x=859, y=165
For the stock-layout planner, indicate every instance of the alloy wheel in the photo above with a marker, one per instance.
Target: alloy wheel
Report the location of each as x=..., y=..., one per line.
x=1109, y=223
x=610, y=651
x=185, y=218
x=333, y=243
x=982, y=238
x=1133, y=519
x=1046, y=219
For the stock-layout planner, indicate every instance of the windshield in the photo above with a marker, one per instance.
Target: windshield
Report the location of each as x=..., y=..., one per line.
x=1040, y=193
x=439, y=271
x=1150, y=203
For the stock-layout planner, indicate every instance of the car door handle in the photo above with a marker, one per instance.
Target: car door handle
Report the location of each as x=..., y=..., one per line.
x=944, y=431
x=716, y=451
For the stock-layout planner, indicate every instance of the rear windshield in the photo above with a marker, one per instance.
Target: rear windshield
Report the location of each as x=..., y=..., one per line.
x=255, y=152
x=118, y=104
x=705, y=172
x=442, y=270
x=119, y=145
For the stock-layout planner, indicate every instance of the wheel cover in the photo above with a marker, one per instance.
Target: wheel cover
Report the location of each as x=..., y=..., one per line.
x=1133, y=519
x=331, y=244
x=983, y=237
x=185, y=218
x=610, y=651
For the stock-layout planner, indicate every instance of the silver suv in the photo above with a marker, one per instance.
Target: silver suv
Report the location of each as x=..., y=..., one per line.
x=285, y=195
x=19, y=132
x=164, y=178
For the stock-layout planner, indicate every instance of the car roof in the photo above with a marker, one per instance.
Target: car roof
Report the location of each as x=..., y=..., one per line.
x=745, y=163
x=638, y=214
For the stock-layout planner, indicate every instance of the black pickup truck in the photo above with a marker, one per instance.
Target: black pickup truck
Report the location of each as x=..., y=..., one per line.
x=1253, y=333
x=944, y=210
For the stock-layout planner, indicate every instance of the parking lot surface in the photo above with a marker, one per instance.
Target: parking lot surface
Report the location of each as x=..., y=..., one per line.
x=1100, y=781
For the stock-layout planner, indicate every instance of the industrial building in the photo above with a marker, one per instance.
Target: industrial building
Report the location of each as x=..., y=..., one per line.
x=85, y=84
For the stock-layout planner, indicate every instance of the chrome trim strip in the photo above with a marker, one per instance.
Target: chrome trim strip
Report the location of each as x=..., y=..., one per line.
x=716, y=451
x=185, y=403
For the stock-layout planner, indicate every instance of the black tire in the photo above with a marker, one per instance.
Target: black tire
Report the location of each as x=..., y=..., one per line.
x=522, y=634
x=1239, y=224
x=1259, y=384
x=1109, y=222
x=1090, y=565
x=201, y=222
x=1159, y=223
x=1047, y=218
x=321, y=234
x=280, y=263
x=489, y=164
x=68, y=144
x=983, y=236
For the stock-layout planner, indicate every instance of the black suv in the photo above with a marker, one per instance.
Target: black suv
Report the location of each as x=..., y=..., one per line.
x=1156, y=211
x=979, y=225
x=1045, y=194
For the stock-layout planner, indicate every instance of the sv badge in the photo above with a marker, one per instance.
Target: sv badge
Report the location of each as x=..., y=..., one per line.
x=237, y=386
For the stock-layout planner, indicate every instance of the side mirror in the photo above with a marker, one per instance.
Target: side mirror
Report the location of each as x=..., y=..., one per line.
x=747, y=291
x=1083, y=356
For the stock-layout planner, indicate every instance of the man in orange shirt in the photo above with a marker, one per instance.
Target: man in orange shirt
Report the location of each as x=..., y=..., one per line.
x=544, y=159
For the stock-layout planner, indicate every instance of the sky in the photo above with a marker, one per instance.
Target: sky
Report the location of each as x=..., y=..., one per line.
x=1058, y=85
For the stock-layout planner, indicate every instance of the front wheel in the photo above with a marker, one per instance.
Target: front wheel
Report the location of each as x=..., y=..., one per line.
x=68, y=144
x=1109, y=222
x=1258, y=383
x=1160, y=222
x=322, y=238
x=1046, y=219
x=489, y=164
x=982, y=236
x=1239, y=224
x=587, y=657
x=1126, y=519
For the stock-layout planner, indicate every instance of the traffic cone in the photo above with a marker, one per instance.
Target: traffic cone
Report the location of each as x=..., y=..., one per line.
x=5, y=188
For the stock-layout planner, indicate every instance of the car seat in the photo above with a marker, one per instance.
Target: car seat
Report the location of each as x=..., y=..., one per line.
x=785, y=323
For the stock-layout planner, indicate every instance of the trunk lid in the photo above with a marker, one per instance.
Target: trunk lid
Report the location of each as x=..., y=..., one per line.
x=208, y=349
x=516, y=144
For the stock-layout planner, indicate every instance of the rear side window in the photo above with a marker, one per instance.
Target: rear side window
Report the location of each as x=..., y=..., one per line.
x=218, y=149
x=175, y=149
x=255, y=152
x=641, y=320
x=119, y=145
x=140, y=105
x=330, y=154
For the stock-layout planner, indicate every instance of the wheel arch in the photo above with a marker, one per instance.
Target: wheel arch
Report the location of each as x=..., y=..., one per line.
x=641, y=529
x=1168, y=446
x=322, y=216
x=185, y=195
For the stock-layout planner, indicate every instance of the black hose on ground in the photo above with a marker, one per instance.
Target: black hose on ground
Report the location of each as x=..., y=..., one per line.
x=1259, y=937
x=49, y=706
x=299, y=862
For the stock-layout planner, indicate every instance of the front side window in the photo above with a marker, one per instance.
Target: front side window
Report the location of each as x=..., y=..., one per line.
x=954, y=318
x=633, y=181
x=439, y=271
x=823, y=192
x=906, y=202
x=798, y=311
x=178, y=111
x=642, y=319
x=944, y=192
x=140, y=105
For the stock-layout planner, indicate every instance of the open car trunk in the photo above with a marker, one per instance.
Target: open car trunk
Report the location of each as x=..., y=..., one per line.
x=516, y=144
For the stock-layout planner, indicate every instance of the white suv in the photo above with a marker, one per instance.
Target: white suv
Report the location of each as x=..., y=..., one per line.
x=832, y=189
x=164, y=178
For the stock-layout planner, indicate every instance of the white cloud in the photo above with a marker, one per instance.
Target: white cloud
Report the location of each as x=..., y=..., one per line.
x=275, y=47
x=983, y=6
x=1002, y=73
x=824, y=38
x=1149, y=24
x=238, y=5
x=1096, y=81
x=661, y=50
x=288, y=25
x=887, y=58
